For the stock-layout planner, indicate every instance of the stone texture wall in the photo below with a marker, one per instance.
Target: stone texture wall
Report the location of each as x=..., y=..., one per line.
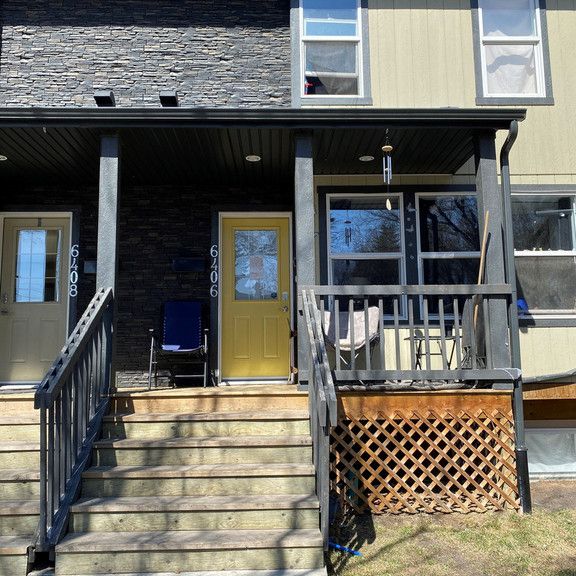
x=157, y=225
x=56, y=53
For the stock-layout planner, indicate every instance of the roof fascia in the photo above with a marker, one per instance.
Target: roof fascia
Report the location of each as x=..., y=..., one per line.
x=271, y=118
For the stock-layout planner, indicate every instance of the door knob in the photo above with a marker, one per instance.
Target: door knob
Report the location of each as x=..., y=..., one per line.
x=284, y=308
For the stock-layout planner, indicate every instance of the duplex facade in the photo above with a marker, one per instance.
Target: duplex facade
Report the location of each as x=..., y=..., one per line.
x=239, y=153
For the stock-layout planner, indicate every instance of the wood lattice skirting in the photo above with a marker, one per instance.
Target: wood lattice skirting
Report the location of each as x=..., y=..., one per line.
x=428, y=452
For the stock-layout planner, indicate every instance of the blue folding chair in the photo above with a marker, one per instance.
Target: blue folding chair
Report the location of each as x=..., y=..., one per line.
x=184, y=344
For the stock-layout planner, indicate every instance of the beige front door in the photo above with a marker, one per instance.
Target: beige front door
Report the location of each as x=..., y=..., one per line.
x=255, y=298
x=33, y=296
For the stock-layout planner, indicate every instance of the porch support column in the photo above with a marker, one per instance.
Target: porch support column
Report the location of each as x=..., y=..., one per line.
x=305, y=246
x=108, y=202
x=107, y=250
x=489, y=200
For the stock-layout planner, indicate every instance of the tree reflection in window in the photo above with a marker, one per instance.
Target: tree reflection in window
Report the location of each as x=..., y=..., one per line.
x=256, y=264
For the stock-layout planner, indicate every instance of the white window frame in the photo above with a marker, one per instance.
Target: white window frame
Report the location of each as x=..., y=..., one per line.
x=357, y=39
x=535, y=40
x=400, y=256
x=551, y=314
x=438, y=255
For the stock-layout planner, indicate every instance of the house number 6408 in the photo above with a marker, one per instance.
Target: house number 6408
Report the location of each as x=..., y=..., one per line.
x=73, y=288
x=214, y=271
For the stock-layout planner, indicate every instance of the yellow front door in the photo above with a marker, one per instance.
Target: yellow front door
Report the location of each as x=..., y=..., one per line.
x=255, y=298
x=33, y=296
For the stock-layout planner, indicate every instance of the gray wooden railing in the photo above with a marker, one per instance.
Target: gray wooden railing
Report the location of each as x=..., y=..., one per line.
x=394, y=334
x=323, y=407
x=72, y=400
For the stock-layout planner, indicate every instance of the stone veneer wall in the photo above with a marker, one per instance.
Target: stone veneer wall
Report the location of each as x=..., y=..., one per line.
x=56, y=53
x=157, y=225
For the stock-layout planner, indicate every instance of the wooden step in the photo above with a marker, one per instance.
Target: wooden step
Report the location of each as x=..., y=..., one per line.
x=19, y=454
x=13, y=555
x=207, y=450
x=20, y=427
x=195, y=400
x=213, y=479
x=121, y=552
x=18, y=517
x=14, y=403
x=19, y=483
x=194, y=513
x=148, y=426
x=296, y=572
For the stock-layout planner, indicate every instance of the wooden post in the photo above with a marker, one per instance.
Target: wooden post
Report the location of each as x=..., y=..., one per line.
x=108, y=215
x=489, y=200
x=305, y=246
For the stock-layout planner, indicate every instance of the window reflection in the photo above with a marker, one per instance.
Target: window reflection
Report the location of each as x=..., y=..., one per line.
x=365, y=225
x=449, y=224
x=37, y=266
x=256, y=264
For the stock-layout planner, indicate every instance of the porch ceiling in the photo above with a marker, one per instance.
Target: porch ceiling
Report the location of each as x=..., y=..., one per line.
x=181, y=146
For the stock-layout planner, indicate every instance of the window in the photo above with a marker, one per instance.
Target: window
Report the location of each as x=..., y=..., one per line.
x=37, y=266
x=365, y=236
x=448, y=241
x=545, y=243
x=331, y=49
x=513, y=55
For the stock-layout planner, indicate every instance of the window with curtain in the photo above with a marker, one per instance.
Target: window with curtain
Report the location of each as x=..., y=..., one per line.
x=545, y=246
x=331, y=48
x=511, y=48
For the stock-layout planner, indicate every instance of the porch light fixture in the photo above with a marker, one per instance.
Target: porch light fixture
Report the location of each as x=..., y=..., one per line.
x=366, y=158
x=169, y=98
x=3, y=158
x=104, y=98
x=253, y=158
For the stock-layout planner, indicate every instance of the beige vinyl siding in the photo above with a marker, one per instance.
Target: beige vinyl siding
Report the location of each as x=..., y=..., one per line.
x=422, y=56
x=547, y=350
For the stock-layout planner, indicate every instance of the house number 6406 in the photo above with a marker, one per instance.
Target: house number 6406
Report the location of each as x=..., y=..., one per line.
x=214, y=271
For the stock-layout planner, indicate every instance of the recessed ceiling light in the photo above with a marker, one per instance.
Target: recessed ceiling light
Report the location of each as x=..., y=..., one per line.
x=366, y=158
x=3, y=158
x=253, y=158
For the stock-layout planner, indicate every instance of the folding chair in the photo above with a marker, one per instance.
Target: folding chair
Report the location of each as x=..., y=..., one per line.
x=345, y=331
x=184, y=344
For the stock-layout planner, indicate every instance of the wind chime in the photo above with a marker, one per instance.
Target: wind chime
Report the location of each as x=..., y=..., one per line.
x=347, y=229
x=387, y=167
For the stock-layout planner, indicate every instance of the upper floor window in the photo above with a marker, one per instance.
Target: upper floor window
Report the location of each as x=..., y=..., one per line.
x=513, y=56
x=331, y=49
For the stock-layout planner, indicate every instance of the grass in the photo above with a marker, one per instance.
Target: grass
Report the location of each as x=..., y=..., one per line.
x=491, y=544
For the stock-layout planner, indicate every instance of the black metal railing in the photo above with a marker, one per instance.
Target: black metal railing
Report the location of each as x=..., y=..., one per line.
x=394, y=334
x=72, y=400
x=323, y=408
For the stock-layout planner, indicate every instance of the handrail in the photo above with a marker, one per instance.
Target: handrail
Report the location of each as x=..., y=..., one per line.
x=396, y=334
x=323, y=407
x=72, y=399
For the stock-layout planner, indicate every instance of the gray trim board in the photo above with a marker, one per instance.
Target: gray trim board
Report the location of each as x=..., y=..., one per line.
x=535, y=322
x=543, y=188
x=290, y=118
x=481, y=100
x=297, y=100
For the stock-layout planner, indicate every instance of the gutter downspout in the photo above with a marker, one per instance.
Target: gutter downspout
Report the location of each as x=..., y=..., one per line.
x=518, y=407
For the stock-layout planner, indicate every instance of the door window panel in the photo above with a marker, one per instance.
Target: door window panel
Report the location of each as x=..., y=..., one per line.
x=37, y=266
x=256, y=264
